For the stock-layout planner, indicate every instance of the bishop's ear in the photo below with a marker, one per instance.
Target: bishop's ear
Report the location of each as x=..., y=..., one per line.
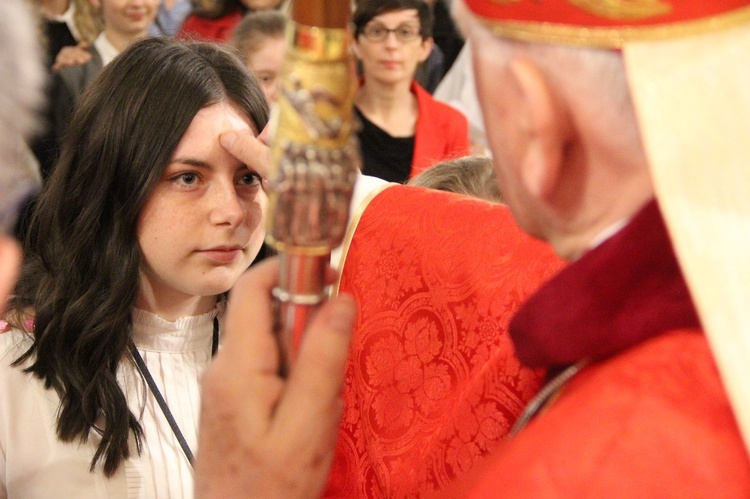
x=545, y=123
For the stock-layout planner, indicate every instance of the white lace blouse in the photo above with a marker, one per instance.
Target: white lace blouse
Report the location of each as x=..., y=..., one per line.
x=35, y=464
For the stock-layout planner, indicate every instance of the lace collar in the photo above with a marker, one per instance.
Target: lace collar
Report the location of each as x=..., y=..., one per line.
x=186, y=334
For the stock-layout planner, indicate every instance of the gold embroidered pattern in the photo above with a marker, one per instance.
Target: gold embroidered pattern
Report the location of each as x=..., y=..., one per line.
x=613, y=36
x=624, y=9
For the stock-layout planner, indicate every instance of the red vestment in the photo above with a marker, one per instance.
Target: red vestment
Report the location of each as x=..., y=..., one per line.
x=649, y=417
x=432, y=382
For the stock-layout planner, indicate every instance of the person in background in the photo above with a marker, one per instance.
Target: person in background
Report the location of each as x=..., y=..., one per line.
x=639, y=402
x=470, y=175
x=259, y=41
x=169, y=17
x=124, y=22
x=69, y=28
x=67, y=23
x=215, y=20
x=457, y=89
x=445, y=32
x=143, y=226
x=445, y=50
x=404, y=130
x=21, y=96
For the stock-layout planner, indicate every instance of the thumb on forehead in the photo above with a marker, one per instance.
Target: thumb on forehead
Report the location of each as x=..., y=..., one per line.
x=247, y=149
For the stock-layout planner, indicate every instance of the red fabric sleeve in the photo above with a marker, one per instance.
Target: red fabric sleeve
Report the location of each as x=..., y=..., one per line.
x=442, y=132
x=432, y=382
x=653, y=421
x=209, y=30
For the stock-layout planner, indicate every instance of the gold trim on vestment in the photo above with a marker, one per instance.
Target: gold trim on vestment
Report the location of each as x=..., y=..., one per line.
x=356, y=216
x=611, y=37
x=624, y=9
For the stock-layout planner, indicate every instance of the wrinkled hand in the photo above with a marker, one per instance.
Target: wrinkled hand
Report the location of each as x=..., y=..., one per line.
x=251, y=150
x=261, y=435
x=72, y=55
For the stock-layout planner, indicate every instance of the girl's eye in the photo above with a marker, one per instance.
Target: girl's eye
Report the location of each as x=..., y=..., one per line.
x=187, y=178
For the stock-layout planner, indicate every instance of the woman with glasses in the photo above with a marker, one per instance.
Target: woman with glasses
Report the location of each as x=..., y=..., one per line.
x=144, y=225
x=404, y=130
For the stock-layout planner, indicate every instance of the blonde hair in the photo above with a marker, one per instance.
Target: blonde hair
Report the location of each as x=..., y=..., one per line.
x=254, y=29
x=470, y=175
x=88, y=20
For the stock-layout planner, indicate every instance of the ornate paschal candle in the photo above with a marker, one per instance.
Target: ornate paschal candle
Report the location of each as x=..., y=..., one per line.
x=315, y=161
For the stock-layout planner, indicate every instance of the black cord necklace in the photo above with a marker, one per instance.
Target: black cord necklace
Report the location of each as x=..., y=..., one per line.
x=143, y=369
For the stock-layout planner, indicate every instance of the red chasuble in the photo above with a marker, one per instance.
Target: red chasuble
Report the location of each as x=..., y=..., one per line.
x=648, y=417
x=432, y=382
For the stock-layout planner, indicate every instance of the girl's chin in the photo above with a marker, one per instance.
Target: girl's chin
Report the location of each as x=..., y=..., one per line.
x=218, y=285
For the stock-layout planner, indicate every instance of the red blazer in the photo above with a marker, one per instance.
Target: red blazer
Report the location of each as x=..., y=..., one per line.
x=209, y=30
x=442, y=132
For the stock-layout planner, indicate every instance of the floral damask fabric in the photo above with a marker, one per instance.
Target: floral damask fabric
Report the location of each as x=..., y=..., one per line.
x=432, y=381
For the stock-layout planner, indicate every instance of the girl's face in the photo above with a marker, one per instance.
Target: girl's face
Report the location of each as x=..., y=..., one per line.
x=392, y=60
x=202, y=224
x=127, y=17
x=265, y=63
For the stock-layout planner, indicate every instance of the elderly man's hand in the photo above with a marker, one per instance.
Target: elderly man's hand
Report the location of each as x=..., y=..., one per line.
x=261, y=435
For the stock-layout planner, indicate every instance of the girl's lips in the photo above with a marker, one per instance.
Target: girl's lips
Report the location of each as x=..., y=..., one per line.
x=222, y=255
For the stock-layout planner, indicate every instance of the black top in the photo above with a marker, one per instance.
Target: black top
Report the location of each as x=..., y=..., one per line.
x=384, y=156
x=58, y=36
x=445, y=34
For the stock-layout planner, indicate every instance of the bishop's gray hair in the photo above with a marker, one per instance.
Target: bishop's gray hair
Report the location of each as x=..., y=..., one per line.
x=21, y=94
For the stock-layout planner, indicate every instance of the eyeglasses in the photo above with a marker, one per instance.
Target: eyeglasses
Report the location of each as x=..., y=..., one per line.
x=376, y=32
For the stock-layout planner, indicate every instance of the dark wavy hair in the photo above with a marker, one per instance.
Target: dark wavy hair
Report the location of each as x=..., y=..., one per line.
x=81, y=275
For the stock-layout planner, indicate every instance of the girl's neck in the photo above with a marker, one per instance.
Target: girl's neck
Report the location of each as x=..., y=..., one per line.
x=374, y=95
x=395, y=111
x=171, y=308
